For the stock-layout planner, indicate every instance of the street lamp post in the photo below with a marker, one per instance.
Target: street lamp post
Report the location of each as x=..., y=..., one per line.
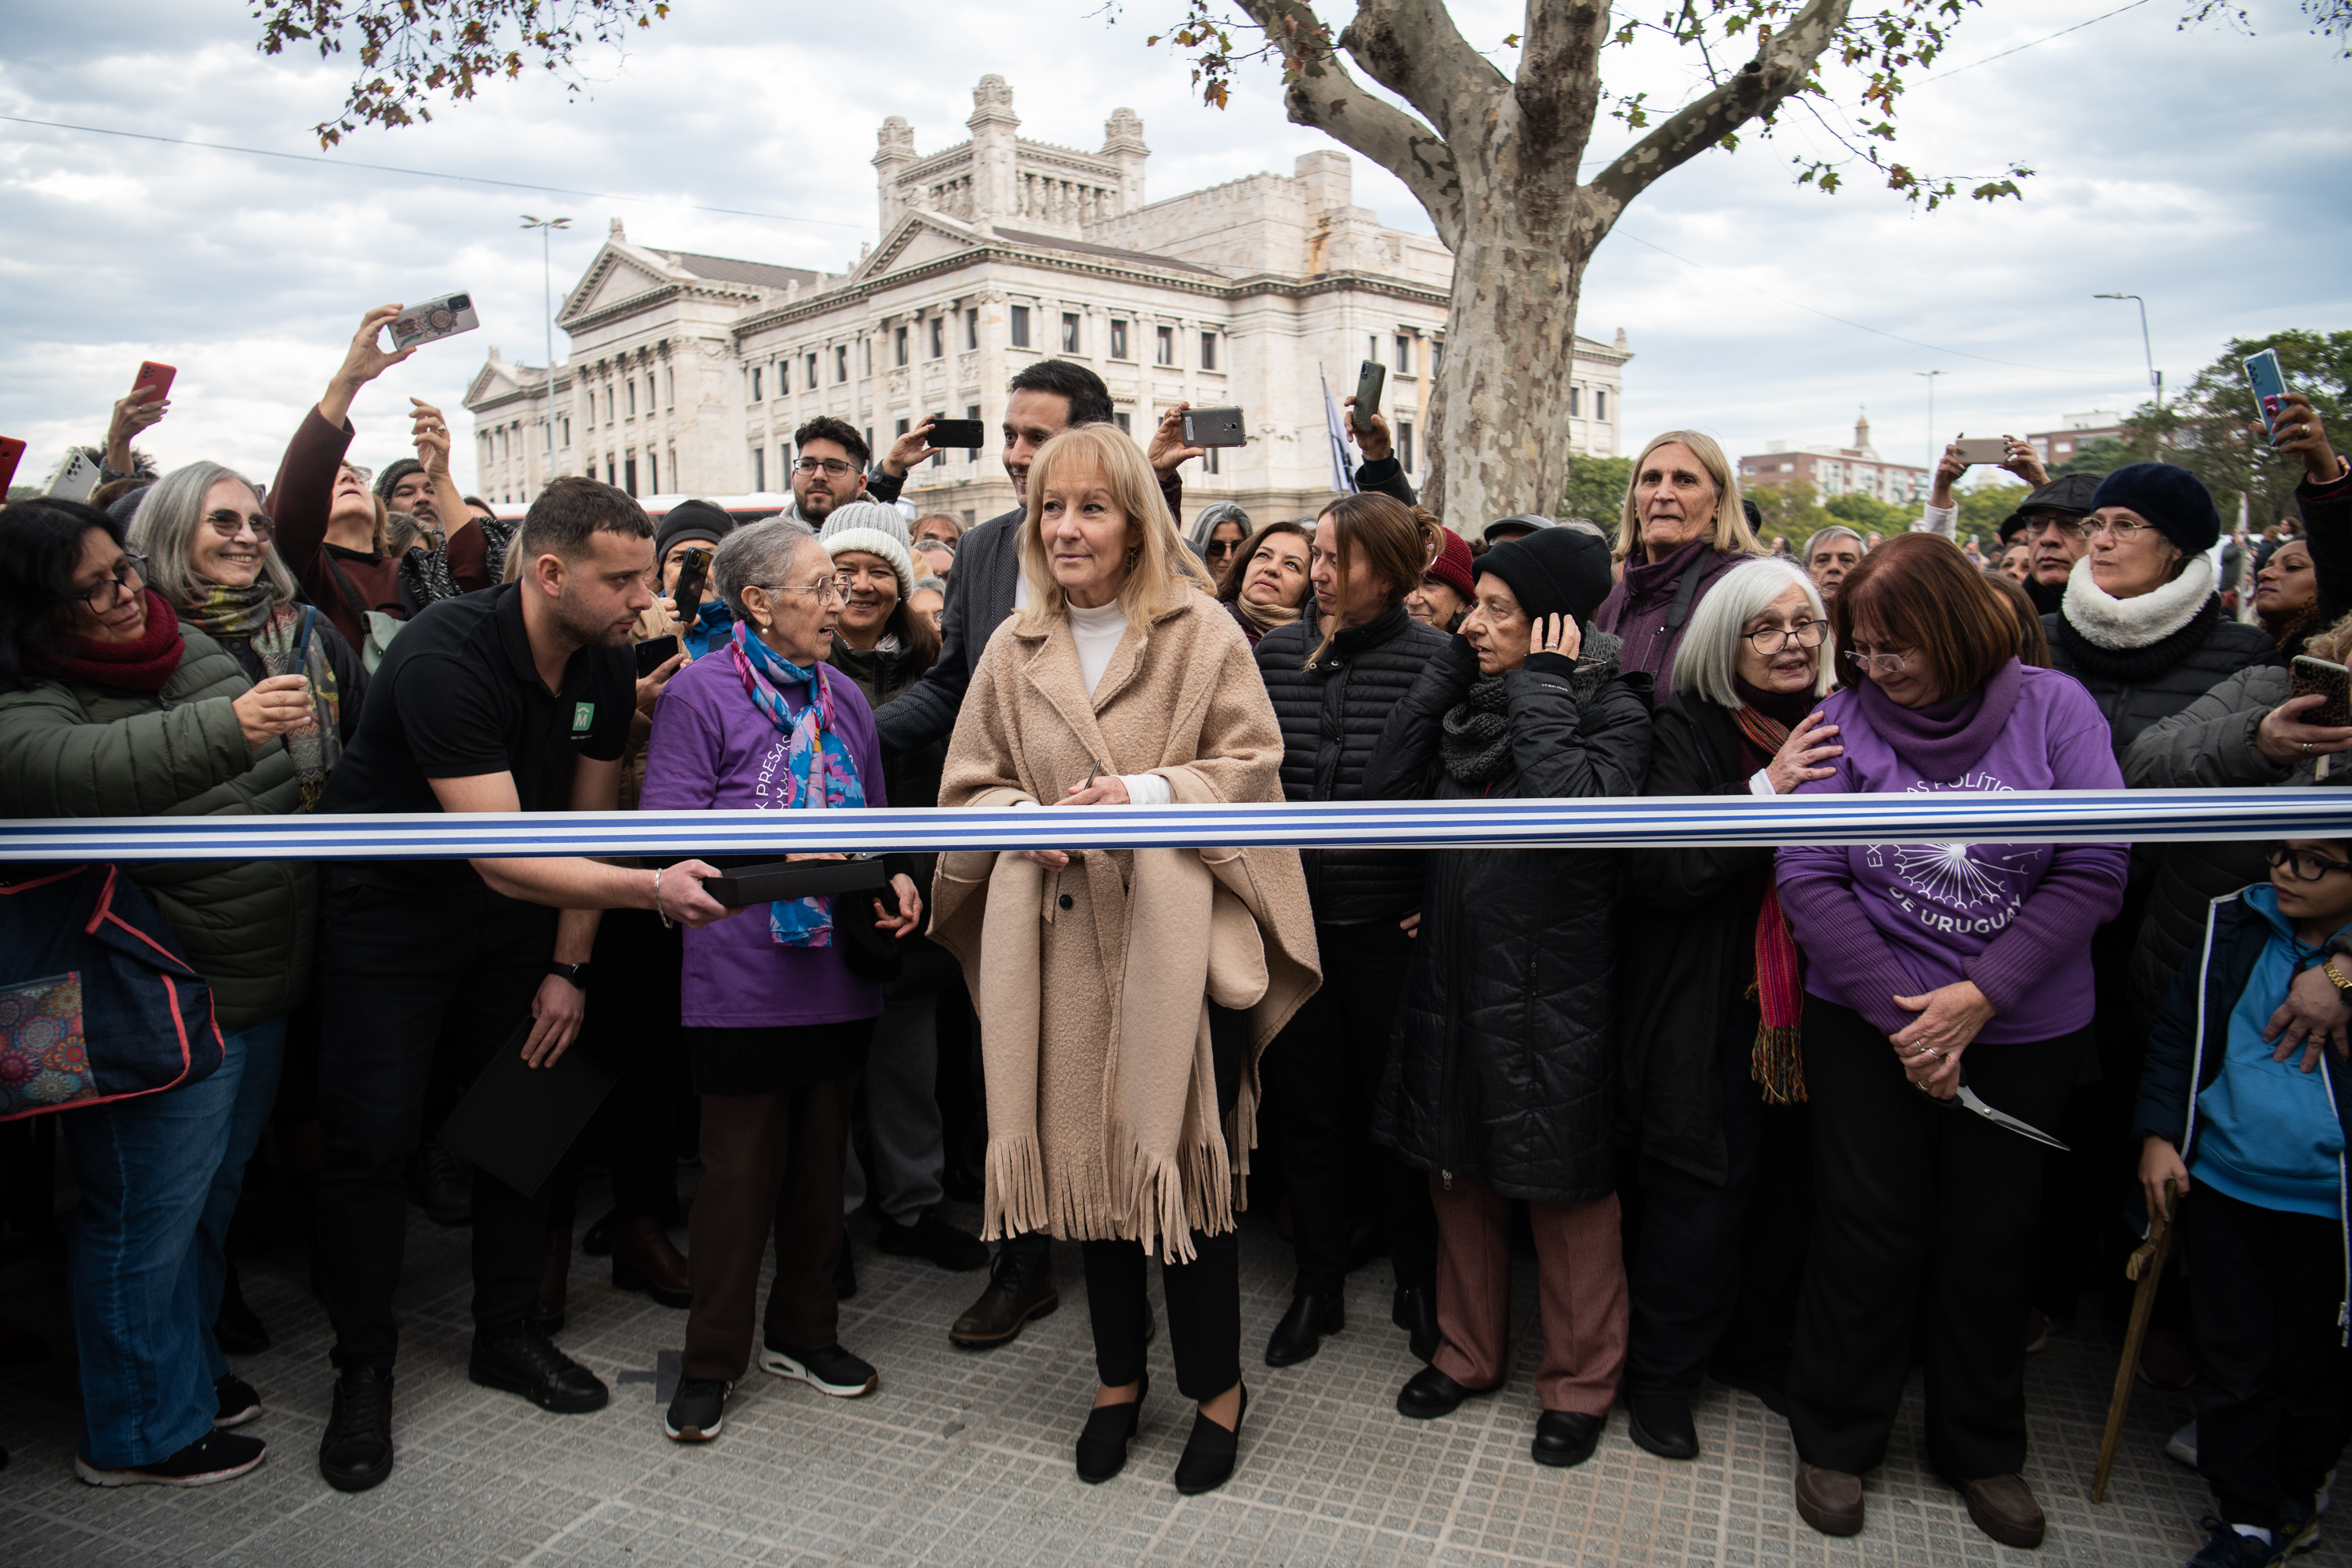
x=2155, y=376
x=547, y=313
x=1931, y=375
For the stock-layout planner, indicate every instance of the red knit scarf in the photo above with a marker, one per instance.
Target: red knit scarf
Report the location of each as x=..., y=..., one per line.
x=1777, y=1062
x=143, y=664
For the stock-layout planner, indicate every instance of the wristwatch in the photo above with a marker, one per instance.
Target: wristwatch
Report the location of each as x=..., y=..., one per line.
x=576, y=972
x=2335, y=975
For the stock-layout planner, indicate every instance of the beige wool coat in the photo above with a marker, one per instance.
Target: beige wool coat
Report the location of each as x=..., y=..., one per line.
x=1092, y=981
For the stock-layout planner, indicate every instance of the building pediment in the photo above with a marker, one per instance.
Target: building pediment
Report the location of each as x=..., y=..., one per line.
x=914, y=239
x=613, y=276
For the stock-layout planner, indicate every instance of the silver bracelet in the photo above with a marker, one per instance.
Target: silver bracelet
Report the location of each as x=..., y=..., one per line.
x=657, y=909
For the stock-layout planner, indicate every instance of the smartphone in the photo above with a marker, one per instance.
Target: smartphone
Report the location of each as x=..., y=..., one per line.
x=694, y=566
x=948, y=433
x=80, y=478
x=2331, y=681
x=153, y=384
x=1982, y=449
x=1370, y=379
x=2263, y=373
x=1213, y=427
x=434, y=319
x=655, y=652
x=12, y=452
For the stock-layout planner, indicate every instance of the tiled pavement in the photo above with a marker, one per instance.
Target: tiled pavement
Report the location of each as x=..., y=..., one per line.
x=964, y=1458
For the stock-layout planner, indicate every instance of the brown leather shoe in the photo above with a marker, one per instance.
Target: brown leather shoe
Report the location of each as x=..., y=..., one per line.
x=643, y=1259
x=2004, y=1509
x=1020, y=1287
x=555, y=1276
x=1828, y=1501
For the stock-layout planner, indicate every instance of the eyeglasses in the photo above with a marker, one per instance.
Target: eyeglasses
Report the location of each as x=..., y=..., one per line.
x=832, y=467
x=2065, y=527
x=1216, y=547
x=229, y=524
x=364, y=475
x=1772, y=639
x=830, y=589
x=129, y=577
x=2304, y=864
x=2124, y=532
x=1879, y=663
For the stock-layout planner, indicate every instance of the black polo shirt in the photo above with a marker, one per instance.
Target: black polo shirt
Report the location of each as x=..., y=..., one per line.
x=457, y=695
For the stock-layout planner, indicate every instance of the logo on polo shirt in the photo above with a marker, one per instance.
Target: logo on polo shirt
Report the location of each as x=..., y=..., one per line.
x=584, y=714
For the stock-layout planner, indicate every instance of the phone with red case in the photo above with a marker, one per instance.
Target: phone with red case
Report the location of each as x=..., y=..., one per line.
x=153, y=383
x=12, y=452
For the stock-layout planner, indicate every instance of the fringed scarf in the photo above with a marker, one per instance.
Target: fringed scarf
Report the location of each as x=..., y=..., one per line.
x=1777, y=1062
x=819, y=772
x=285, y=638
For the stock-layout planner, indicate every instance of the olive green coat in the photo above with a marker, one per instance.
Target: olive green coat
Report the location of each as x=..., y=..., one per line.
x=70, y=748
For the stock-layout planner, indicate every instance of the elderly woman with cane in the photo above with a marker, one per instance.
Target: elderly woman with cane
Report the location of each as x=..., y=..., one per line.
x=1124, y=996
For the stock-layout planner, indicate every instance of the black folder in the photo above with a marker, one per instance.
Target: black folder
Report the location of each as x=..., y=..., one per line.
x=518, y=1121
x=771, y=880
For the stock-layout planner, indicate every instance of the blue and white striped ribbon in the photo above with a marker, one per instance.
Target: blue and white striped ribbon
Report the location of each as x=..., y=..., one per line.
x=1938, y=816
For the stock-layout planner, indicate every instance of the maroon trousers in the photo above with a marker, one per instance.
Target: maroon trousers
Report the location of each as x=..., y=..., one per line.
x=1580, y=1282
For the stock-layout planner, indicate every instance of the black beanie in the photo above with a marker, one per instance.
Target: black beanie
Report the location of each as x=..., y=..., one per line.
x=1553, y=572
x=691, y=520
x=393, y=472
x=2173, y=499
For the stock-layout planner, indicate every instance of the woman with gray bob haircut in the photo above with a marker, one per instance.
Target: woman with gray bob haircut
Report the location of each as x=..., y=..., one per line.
x=1712, y=1080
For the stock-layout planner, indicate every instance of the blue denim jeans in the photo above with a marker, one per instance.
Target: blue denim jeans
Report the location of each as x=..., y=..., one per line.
x=256, y=1094
x=145, y=1169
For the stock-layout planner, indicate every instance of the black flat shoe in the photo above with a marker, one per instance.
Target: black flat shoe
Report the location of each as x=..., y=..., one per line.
x=1565, y=1437
x=1300, y=1333
x=1210, y=1452
x=521, y=1360
x=1414, y=1310
x=355, y=1451
x=1429, y=1393
x=1662, y=1424
x=1102, y=1444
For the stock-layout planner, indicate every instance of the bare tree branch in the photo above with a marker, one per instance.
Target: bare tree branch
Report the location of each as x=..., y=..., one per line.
x=1784, y=64
x=1412, y=48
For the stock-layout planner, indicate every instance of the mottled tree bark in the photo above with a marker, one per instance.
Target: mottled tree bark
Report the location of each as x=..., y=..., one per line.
x=1495, y=162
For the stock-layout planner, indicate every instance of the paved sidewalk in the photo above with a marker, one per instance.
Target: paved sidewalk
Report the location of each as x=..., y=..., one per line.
x=964, y=1458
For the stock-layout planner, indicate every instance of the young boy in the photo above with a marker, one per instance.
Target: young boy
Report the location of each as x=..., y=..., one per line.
x=2255, y=1137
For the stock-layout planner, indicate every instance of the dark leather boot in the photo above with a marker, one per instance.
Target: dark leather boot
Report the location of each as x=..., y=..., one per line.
x=1020, y=1287
x=1299, y=1335
x=643, y=1259
x=555, y=1276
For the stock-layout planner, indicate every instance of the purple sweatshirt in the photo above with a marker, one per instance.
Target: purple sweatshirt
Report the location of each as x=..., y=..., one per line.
x=710, y=748
x=1878, y=920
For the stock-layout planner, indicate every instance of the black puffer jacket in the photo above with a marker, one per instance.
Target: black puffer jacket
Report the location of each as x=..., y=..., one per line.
x=1505, y=1036
x=2136, y=687
x=1688, y=922
x=1332, y=714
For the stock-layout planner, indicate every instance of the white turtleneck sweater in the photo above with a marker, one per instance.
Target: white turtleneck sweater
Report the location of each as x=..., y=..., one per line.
x=1096, y=632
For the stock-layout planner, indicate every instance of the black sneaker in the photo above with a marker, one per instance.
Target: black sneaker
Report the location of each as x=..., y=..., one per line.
x=355, y=1451
x=521, y=1360
x=215, y=1456
x=238, y=1402
x=697, y=1411
x=2225, y=1547
x=933, y=1238
x=829, y=1371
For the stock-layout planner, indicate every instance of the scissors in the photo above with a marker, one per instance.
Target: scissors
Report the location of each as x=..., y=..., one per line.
x=1975, y=1101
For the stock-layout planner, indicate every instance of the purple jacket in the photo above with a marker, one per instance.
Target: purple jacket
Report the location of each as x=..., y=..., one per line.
x=709, y=749
x=1637, y=607
x=1878, y=920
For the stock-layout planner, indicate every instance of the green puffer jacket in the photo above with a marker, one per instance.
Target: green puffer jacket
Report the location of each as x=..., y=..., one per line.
x=70, y=748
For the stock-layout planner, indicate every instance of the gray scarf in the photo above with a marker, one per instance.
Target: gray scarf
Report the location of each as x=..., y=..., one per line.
x=1475, y=739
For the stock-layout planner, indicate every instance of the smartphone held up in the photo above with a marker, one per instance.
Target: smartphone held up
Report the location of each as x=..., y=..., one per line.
x=434, y=319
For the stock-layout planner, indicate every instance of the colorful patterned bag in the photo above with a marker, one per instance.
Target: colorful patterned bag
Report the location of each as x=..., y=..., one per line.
x=96, y=1002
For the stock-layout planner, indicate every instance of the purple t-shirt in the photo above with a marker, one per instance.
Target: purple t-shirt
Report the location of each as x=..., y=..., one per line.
x=1876, y=921
x=711, y=749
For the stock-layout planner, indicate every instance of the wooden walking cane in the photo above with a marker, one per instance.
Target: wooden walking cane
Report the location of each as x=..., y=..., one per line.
x=2146, y=1266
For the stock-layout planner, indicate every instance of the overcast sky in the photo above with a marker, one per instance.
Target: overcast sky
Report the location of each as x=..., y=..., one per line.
x=2205, y=170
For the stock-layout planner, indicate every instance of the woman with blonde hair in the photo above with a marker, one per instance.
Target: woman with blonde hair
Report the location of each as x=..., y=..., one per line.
x=1125, y=994
x=1682, y=530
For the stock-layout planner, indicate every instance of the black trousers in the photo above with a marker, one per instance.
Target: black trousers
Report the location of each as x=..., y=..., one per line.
x=1205, y=1296
x=1924, y=1211
x=1321, y=1074
x=402, y=975
x=1716, y=1270
x=2270, y=1394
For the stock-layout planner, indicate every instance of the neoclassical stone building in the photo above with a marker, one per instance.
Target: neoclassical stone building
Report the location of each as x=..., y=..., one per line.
x=688, y=373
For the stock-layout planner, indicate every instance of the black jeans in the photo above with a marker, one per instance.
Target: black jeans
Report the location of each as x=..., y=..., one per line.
x=1716, y=1270
x=1205, y=1296
x=1321, y=1074
x=2270, y=1394
x=1924, y=1209
x=403, y=975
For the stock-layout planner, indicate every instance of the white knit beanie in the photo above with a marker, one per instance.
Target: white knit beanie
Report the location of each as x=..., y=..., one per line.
x=879, y=530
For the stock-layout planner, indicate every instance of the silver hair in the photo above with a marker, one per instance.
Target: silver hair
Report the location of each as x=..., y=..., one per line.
x=935, y=584
x=1834, y=531
x=164, y=527
x=1709, y=654
x=1218, y=512
x=759, y=554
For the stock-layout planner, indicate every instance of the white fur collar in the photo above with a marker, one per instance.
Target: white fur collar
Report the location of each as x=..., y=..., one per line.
x=2116, y=625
